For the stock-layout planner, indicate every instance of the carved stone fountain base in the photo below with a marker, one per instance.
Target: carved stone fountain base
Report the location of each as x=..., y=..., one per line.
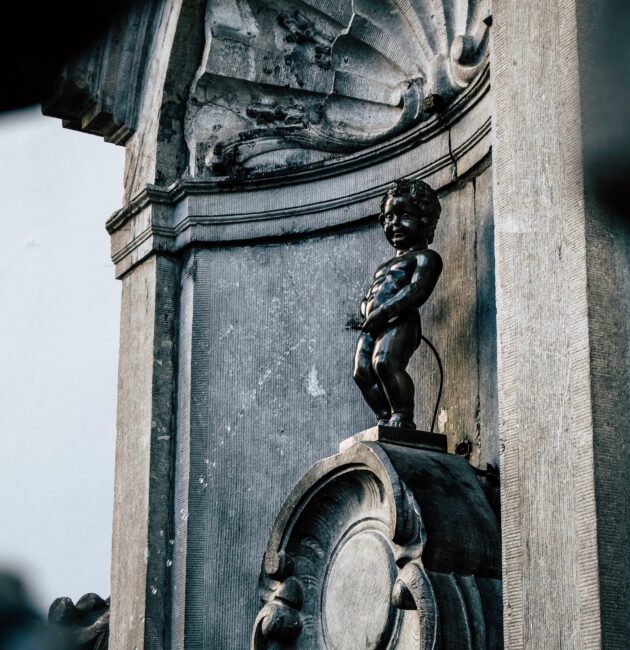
x=389, y=544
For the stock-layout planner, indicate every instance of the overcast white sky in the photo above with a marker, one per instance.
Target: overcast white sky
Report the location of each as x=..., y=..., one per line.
x=58, y=354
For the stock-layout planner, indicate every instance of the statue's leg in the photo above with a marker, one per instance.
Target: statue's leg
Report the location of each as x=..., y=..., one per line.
x=392, y=352
x=367, y=381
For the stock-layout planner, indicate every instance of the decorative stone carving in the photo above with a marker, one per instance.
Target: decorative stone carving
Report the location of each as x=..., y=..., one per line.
x=86, y=623
x=101, y=91
x=363, y=71
x=304, y=32
x=384, y=545
x=272, y=112
x=248, y=119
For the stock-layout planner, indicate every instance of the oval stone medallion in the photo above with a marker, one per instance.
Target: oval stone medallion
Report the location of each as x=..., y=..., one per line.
x=356, y=604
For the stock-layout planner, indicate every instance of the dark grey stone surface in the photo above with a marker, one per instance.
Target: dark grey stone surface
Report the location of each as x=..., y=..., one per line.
x=270, y=392
x=608, y=246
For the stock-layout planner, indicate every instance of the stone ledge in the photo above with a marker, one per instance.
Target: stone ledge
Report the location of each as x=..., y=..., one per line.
x=192, y=213
x=398, y=436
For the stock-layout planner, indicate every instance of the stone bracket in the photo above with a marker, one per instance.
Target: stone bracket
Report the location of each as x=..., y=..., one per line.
x=387, y=544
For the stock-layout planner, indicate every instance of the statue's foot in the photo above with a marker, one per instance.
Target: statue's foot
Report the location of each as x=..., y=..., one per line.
x=383, y=418
x=402, y=421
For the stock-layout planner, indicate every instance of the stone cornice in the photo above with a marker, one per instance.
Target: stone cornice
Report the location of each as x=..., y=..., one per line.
x=418, y=136
x=196, y=212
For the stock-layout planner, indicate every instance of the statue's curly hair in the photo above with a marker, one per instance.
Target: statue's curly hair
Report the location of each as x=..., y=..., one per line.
x=422, y=196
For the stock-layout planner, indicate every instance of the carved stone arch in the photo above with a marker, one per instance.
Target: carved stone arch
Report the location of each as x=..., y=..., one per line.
x=251, y=90
x=347, y=564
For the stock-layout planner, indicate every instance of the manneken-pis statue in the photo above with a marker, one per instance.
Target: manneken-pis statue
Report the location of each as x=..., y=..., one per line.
x=391, y=330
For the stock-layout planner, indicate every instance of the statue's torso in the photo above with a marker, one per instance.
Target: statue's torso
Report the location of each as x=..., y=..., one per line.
x=389, y=279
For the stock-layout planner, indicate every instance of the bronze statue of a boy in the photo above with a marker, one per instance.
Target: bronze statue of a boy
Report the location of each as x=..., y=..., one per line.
x=391, y=329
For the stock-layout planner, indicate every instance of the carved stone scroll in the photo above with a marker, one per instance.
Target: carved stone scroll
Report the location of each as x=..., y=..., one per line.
x=286, y=83
x=383, y=546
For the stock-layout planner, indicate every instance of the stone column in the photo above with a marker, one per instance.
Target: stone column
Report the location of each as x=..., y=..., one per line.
x=145, y=432
x=563, y=341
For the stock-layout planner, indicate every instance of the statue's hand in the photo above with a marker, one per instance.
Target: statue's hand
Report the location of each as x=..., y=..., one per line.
x=376, y=321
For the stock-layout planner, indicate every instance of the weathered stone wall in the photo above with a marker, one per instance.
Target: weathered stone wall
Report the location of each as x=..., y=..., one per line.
x=265, y=389
x=257, y=179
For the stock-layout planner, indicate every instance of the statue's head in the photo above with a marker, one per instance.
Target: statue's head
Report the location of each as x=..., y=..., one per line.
x=409, y=213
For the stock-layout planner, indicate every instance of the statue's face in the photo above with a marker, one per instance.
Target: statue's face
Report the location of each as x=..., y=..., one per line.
x=403, y=226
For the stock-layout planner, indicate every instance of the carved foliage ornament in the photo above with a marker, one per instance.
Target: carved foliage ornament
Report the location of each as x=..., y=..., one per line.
x=284, y=83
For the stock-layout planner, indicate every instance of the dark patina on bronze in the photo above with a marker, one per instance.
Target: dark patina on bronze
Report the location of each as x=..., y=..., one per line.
x=391, y=330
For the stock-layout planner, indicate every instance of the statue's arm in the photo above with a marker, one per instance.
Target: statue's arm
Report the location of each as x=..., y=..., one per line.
x=423, y=281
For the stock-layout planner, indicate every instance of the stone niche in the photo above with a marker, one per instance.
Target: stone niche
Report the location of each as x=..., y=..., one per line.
x=260, y=136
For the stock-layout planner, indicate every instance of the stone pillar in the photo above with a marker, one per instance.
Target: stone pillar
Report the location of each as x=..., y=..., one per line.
x=143, y=482
x=563, y=341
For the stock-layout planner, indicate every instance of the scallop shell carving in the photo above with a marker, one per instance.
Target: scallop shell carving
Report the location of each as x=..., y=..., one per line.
x=283, y=84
